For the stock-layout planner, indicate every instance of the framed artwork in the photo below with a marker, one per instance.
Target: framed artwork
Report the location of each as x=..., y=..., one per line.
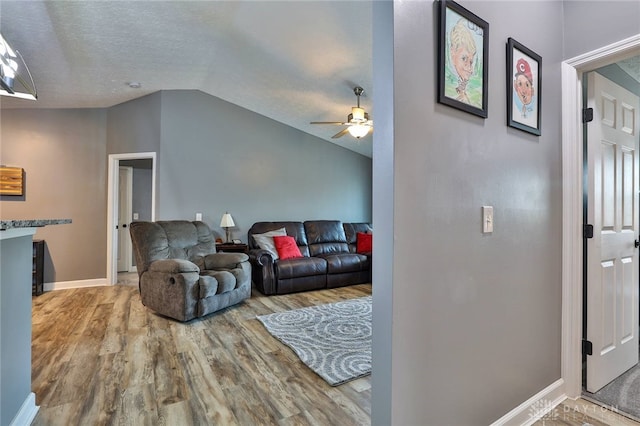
x=11, y=180
x=463, y=59
x=524, y=88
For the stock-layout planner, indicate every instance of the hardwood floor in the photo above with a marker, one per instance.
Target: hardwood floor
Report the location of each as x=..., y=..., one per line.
x=99, y=357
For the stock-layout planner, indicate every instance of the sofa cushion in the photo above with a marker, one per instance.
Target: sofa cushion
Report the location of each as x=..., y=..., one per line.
x=351, y=231
x=187, y=240
x=364, y=243
x=265, y=240
x=325, y=236
x=224, y=281
x=294, y=229
x=286, y=247
x=300, y=267
x=338, y=263
x=208, y=286
x=224, y=260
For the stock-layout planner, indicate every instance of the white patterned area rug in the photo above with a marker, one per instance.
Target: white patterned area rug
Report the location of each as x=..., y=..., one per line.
x=334, y=340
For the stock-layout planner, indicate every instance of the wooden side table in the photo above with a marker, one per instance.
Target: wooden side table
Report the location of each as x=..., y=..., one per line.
x=232, y=248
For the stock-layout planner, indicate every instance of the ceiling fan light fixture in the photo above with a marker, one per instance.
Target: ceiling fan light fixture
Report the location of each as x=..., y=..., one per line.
x=359, y=130
x=13, y=74
x=358, y=115
x=358, y=122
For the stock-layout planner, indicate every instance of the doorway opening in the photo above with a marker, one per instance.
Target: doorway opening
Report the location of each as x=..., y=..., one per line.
x=573, y=189
x=134, y=199
x=610, y=309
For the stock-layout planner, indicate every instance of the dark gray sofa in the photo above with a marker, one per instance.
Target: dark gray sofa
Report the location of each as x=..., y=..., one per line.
x=329, y=257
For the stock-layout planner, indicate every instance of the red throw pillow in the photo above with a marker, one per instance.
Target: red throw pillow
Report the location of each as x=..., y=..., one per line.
x=286, y=247
x=364, y=242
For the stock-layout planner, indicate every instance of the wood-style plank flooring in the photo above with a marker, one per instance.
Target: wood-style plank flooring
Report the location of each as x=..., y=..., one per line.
x=99, y=357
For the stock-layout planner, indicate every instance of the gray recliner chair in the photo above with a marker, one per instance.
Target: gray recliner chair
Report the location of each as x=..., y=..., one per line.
x=180, y=273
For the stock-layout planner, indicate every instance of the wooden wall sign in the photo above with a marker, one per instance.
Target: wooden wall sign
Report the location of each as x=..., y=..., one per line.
x=11, y=180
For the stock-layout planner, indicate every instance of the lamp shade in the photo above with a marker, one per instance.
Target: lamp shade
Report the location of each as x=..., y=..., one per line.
x=358, y=130
x=227, y=221
x=358, y=115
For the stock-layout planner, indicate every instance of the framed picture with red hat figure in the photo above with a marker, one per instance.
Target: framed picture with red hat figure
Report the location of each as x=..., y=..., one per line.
x=524, y=88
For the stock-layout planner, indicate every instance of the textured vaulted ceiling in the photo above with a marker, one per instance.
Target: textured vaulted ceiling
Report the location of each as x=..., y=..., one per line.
x=292, y=61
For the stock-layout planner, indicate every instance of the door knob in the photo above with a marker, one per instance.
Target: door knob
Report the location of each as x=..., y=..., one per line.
x=636, y=243
x=124, y=225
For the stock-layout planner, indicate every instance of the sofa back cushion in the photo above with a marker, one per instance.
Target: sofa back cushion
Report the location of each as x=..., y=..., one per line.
x=326, y=237
x=175, y=239
x=294, y=229
x=188, y=240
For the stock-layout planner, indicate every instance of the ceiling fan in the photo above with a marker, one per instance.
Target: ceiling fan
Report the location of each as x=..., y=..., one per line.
x=358, y=121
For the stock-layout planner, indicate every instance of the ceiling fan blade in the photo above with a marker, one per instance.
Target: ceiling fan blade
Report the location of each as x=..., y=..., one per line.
x=340, y=134
x=328, y=122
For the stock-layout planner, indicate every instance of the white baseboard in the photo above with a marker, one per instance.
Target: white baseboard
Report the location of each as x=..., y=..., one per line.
x=540, y=406
x=62, y=285
x=27, y=412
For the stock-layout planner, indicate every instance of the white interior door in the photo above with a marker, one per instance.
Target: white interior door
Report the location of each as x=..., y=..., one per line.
x=612, y=259
x=125, y=189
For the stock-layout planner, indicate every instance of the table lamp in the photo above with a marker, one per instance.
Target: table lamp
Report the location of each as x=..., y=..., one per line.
x=226, y=223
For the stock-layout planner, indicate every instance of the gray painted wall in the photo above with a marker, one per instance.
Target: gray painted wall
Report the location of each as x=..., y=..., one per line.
x=63, y=153
x=141, y=191
x=383, y=214
x=212, y=156
x=142, y=185
x=15, y=325
x=476, y=318
x=134, y=126
x=589, y=25
x=616, y=74
x=219, y=157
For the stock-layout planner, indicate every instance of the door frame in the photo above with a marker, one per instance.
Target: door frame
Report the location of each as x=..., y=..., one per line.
x=112, y=206
x=572, y=202
x=128, y=212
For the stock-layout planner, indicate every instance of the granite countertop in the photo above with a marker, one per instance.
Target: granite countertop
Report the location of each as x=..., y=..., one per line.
x=30, y=223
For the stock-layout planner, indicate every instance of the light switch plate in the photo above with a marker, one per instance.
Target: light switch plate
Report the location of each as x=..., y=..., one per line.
x=136, y=216
x=487, y=219
x=198, y=216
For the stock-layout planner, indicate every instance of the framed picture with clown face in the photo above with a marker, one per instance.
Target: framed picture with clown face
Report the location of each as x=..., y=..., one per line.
x=524, y=88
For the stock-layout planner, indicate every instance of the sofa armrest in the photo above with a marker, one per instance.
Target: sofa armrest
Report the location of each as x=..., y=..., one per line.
x=173, y=266
x=263, y=271
x=260, y=257
x=171, y=287
x=224, y=260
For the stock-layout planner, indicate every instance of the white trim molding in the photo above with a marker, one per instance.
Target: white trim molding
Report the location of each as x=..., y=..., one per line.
x=112, y=205
x=572, y=172
x=572, y=199
x=63, y=285
x=27, y=412
x=538, y=407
